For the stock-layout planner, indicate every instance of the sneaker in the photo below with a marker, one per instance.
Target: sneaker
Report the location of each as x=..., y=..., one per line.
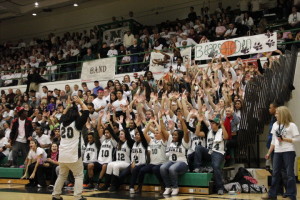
x=60, y=198
x=131, y=191
x=103, y=188
x=70, y=185
x=13, y=166
x=82, y=198
x=22, y=166
x=89, y=186
x=175, y=191
x=220, y=192
x=51, y=187
x=167, y=191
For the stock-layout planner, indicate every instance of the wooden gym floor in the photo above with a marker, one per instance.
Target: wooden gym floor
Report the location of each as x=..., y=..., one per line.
x=19, y=192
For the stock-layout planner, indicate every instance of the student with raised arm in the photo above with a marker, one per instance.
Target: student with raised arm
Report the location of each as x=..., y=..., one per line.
x=125, y=143
x=214, y=152
x=157, y=148
x=177, y=164
x=108, y=141
x=70, y=148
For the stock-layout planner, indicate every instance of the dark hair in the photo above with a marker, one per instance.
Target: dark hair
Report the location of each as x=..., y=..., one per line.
x=180, y=136
x=90, y=104
x=116, y=125
x=126, y=87
x=36, y=142
x=119, y=91
x=2, y=133
x=71, y=115
x=275, y=104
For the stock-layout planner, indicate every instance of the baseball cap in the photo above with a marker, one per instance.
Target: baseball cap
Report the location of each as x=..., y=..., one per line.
x=215, y=120
x=135, y=74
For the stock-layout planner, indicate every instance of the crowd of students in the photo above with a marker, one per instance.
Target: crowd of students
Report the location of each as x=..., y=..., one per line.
x=139, y=125
x=57, y=54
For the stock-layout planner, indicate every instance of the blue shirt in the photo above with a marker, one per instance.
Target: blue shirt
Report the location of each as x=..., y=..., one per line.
x=95, y=90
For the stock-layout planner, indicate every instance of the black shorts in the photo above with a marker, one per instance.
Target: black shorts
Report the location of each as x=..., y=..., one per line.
x=97, y=166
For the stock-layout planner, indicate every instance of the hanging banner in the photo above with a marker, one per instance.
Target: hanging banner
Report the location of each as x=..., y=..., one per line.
x=101, y=69
x=237, y=46
x=186, y=55
x=159, y=63
x=115, y=35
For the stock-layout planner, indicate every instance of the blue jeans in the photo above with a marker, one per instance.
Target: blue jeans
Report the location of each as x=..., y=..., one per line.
x=170, y=171
x=150, y=168
x=133, y=60
x=284, y=160
x=201, y=154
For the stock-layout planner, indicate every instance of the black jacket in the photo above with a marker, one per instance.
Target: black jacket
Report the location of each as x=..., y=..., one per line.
x=15, y=132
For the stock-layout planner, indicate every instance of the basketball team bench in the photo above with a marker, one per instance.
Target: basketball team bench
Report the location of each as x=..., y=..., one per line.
x=192, y=183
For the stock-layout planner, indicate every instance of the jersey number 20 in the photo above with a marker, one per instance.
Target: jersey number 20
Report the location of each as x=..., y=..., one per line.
x=69, y=131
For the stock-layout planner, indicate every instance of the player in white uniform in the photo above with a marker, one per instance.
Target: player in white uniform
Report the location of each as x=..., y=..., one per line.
x=177, y=163
x=214, y=152
x=89, y=158
x=158, y=156
x=70, y=148
x=138, y=155
x=108, y=143
x=198, y=136
x=125, y=143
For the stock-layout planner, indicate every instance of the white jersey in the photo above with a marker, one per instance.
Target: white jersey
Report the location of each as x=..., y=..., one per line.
x=106, y=150
x=70, y=144
x=157, y=151
x=123, y=154
x=90, y=153
x=215, y=142
x=178, y=153
x=195, y=141
x=138, y=154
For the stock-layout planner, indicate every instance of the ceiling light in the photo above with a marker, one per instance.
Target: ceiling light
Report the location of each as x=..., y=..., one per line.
x=34, y=14
x=75, y=4
x=36, y=4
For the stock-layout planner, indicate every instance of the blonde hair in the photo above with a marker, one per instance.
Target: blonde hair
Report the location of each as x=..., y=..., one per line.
x=284, y=116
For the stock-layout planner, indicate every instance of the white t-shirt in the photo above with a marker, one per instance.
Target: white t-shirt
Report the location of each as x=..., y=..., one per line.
x=21, y=136
x=3, y=143
x=7, y=133
x=112, y=52
x=215, y=142
x=34, y=154
x=44, y=139
x=294, y=18
x=287, y=132
x=99, y=102
x=117, y=104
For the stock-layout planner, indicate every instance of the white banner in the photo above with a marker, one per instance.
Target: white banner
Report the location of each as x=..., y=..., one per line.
x=114, y=35
x=186, y=55
x=101, y=69
x=237, y=46
x=156, y=68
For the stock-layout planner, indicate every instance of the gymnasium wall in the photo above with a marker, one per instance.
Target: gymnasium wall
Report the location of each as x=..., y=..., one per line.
x=97, y=12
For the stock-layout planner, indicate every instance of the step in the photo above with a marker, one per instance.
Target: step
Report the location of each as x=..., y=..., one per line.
x=187, y=179
x=11, y=172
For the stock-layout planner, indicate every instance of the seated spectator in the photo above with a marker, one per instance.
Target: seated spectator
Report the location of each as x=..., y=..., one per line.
x=231, y=31
x=42, y=139
x=247, y=20
x=89, y=55
x=112, y=52
x=51, y=165
x=294, y=18
x=128, y=39
x=4, y=150
x=220, y=31
x=34, y=166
